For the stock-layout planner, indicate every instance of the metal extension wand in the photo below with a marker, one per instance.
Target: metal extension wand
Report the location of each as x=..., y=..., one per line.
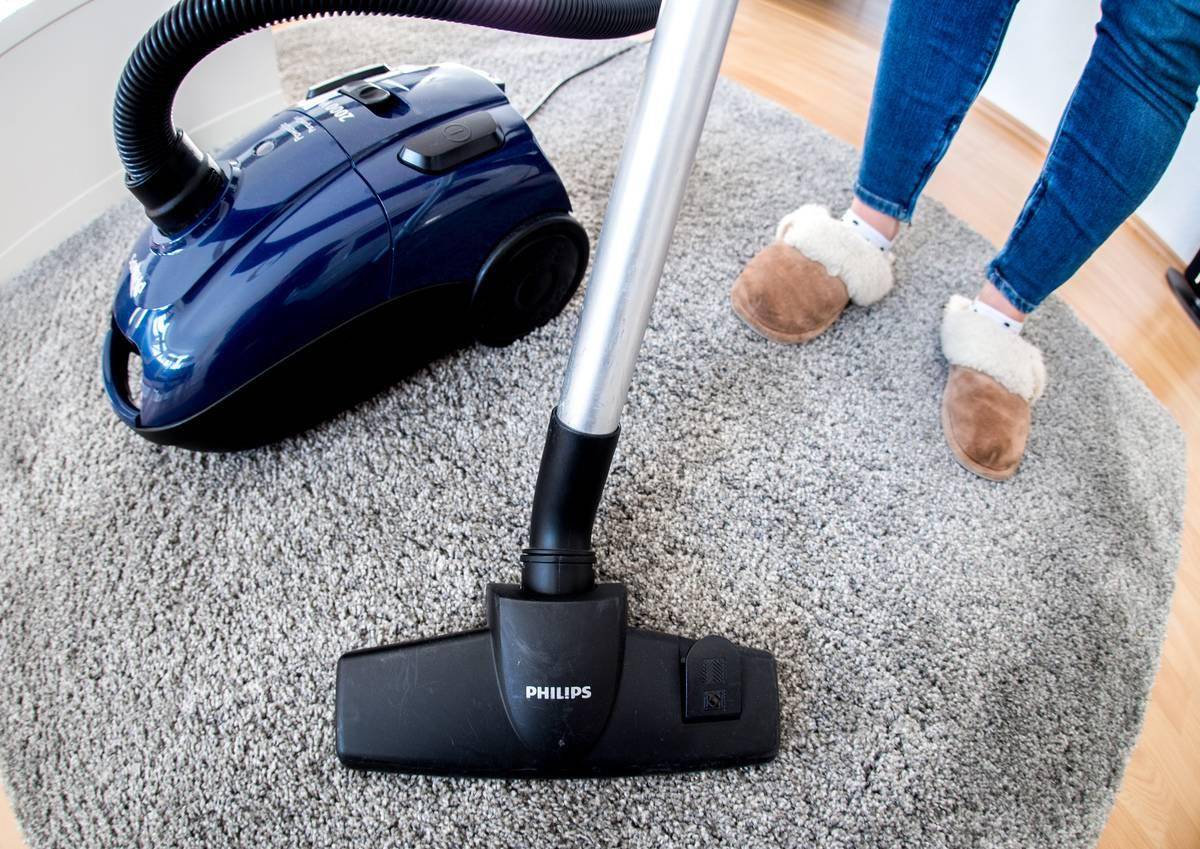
x=643, y=207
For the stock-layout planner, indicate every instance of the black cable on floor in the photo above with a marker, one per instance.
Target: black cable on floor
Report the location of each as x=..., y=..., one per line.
x=554, y=89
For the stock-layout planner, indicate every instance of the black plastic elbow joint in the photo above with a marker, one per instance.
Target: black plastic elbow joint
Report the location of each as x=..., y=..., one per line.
x=185, y=185
x=574, y=468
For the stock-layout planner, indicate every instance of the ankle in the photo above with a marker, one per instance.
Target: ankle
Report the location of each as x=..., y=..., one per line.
x=863, y=229
x=992, y=304
x=884, y=224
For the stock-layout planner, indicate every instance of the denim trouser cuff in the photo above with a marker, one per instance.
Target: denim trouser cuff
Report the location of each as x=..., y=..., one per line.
x=879, y=204
x=1011, y=294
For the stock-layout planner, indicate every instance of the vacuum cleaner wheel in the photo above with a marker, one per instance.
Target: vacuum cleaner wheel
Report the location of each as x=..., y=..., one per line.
x=528, y=279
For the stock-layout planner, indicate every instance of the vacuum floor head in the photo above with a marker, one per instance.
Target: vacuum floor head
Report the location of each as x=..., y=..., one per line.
x=556, y=686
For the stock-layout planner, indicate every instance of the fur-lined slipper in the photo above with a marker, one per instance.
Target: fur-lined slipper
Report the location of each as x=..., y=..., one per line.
x=796, y=287
x=995, y=377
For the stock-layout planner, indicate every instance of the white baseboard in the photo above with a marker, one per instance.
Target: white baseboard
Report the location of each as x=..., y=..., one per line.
x=76, y=213
x=67, y=169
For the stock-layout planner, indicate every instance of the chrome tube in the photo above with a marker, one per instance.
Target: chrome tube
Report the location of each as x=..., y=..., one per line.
x=660, y=148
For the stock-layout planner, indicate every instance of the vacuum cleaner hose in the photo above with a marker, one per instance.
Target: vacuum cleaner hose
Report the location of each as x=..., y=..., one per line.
x=177, y=182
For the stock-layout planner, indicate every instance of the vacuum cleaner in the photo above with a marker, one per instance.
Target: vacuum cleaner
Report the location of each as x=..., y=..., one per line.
x=393, y=216
x=308, y=225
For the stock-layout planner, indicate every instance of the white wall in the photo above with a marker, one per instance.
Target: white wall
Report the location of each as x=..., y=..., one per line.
x=59, y=65
x=1047, y=46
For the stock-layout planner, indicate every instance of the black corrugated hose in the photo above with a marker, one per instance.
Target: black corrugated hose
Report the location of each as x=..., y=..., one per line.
x=176, y=181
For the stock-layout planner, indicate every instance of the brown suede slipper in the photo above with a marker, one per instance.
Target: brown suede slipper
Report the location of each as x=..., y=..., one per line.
x=985, y=425
x=786, y=297
x=796, y=287
x=995, y=377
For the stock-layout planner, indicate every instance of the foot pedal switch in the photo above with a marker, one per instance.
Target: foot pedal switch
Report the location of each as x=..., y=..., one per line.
x=712, y=674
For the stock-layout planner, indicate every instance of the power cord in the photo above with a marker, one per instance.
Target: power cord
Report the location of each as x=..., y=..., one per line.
x=554, y=89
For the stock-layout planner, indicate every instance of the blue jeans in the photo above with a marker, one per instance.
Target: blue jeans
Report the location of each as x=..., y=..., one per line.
x=1114, y=141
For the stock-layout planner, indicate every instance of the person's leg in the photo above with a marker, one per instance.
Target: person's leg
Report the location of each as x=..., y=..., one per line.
x=936, y=56
x=1114, y=142
x=1116, y=138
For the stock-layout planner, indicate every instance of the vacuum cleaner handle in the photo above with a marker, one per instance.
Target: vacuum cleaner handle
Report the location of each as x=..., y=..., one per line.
x=660, y=149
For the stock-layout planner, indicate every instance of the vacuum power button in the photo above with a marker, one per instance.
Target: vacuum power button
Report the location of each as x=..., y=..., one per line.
x=457, y=133
x=453, y=143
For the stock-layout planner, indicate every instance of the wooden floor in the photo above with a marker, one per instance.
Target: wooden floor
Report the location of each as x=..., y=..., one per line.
x=817, y=57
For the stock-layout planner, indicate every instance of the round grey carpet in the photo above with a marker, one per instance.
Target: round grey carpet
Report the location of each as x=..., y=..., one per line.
x=962, y=663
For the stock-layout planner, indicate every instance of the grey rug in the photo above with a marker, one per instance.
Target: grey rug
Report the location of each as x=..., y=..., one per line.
x=962, y=663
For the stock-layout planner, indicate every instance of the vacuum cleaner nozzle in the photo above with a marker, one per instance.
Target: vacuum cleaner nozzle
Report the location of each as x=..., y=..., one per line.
x=556, y=686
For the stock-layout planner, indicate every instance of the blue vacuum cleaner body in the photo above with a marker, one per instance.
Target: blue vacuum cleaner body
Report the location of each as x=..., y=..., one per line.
x=391, y=217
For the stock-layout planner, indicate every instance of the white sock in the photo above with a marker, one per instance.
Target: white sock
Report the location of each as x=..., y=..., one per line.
x=862, y=228
x=988, y=311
